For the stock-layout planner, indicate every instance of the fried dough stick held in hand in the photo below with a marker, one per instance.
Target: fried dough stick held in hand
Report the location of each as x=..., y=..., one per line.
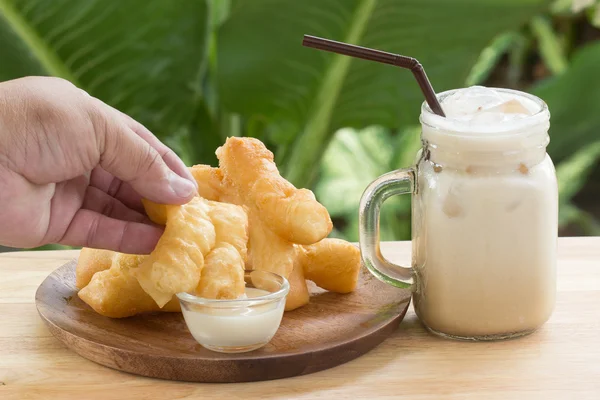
x=192, y=231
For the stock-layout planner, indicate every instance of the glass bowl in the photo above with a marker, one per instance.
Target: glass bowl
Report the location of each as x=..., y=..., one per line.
x=239, y=325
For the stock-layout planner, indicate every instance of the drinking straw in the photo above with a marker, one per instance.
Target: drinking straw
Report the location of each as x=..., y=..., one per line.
x=383, y=57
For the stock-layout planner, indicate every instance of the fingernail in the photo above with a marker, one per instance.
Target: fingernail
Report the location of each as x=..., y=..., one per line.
x=180, y=186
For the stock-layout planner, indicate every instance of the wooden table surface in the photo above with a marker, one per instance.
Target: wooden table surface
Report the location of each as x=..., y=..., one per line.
x=560, y=361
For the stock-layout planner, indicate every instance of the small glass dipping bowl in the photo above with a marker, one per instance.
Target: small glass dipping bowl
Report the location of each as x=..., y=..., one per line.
x=239, y=325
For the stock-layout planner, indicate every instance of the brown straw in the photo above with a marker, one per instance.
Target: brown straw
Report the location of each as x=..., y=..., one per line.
x=382, y=57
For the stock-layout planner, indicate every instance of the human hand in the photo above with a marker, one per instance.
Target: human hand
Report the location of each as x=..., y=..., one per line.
x=73, y=170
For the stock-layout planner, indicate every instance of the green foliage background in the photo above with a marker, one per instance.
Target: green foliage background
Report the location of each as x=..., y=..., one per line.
x=197, y=71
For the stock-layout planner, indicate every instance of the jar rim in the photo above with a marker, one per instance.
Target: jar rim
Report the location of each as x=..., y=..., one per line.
x=455, y=127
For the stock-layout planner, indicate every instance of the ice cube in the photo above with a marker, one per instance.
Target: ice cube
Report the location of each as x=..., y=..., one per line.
x=452, y=205
x=486, y=117
x=470, y=101
x=512, y=106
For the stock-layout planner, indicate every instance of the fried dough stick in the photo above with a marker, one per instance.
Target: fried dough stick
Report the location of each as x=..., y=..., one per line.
x=192, y=231
x=278, y=214
x=119, y=285
x=113, y=291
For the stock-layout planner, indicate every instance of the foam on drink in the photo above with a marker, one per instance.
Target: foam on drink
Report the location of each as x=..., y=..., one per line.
x=479, y=104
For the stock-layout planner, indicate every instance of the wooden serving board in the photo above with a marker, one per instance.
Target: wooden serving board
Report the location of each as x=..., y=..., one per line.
x=331, y=330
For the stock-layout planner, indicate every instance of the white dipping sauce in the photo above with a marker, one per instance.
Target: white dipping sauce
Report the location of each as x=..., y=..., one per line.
x=238, y=325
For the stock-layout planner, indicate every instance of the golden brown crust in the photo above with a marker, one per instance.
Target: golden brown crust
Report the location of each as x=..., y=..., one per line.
x=156, y=212
x=268, y=224
x=209, y=181
x=293, y=214
x=332, y=264
x=115, y=293
x=192, y=231
x=223, y=274
x=91, y=261
x=298, y=295
x=133, y=284
x=281, y=218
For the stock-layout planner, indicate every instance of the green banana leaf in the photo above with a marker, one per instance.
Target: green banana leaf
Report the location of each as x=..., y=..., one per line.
x=550, y=46
x=573, y=99
x=585, y=221
x=572, y=175
x=264, y=70
x=489, y=57
x=144, y=57
x=354, y=159
x=574, y=171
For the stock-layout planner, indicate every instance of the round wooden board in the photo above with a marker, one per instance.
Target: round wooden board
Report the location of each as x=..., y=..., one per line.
x=331, y=330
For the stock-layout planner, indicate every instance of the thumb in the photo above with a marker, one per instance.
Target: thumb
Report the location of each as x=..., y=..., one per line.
x=130, y=158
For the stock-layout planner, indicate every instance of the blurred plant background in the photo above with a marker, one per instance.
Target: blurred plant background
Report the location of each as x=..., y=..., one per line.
x=198, y=71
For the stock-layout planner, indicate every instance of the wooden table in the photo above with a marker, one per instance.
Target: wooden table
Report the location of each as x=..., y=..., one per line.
x=560, y=361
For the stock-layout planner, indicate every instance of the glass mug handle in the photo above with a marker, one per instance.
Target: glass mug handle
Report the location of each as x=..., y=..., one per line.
x=393, y=183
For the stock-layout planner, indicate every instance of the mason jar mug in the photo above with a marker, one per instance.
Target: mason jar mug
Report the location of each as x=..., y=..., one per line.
x=484, y=225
